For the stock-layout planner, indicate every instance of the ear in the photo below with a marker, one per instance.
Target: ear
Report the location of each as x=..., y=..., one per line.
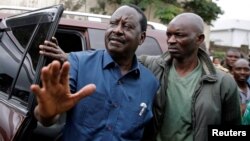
x=142, y=37
x=200, y=38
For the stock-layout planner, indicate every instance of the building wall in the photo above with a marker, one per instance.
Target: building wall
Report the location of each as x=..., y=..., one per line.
x=231, y=37
x=231, y=32
x=10, y=2
x=223, y=37
x=240, y=37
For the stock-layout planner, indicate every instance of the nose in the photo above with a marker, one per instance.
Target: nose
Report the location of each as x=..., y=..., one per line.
x=118, y=29
x=234, y=58
x=171, y=39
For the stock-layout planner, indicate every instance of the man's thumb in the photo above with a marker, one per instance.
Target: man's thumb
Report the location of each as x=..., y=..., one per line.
x=85, y=91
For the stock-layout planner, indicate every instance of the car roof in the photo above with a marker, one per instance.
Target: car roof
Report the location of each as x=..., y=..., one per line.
x=157, y=26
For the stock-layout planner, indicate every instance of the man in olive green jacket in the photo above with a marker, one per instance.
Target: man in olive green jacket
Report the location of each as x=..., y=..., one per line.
x=193, y=93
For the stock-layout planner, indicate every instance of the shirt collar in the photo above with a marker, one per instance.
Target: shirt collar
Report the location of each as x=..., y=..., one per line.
x=108, y=62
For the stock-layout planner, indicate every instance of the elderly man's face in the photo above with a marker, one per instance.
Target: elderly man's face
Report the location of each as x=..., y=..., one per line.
x=124, y=32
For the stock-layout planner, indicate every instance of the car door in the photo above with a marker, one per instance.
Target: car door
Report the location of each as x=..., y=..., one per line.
x=20, y=65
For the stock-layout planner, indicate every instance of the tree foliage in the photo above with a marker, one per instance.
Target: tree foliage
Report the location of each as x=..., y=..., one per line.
x=208, y=10
x=140, y=3
x=100, y=8
x=165, y=10
x=73, y=5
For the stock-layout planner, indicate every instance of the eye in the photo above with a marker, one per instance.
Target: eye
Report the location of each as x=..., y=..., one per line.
x=112, y=23
x=169, y=35
x=237, y=69
x=179, y=35
x=246, y=69
x=127, y=26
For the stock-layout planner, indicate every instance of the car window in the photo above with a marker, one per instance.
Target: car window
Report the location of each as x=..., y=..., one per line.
x=96, y=38
x=23, y=35
x=70, y=40
x=20, y=51
x=149, y=47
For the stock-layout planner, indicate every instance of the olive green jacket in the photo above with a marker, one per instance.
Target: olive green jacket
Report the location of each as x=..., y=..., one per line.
x=214, y=102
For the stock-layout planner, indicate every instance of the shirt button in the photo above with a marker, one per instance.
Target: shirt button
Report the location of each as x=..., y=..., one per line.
x=109, y=128
x=110, y=102
x=115, y=105
x=119, y=82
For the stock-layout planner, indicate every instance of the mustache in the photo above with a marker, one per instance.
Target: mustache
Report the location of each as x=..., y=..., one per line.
x=117, y=38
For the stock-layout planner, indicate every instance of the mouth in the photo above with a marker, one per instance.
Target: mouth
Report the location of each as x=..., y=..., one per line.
x=115, y=40
x=172, y=49
x=243, y=77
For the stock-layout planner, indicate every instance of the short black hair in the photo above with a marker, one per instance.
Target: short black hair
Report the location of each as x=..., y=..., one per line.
x=216, y=58
x=143, y=20
x=232, y=50
x=235, y=51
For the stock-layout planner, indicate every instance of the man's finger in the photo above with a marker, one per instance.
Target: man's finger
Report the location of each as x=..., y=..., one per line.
x=64, y=73
x=50, y=55
x=46, y=76
x=48, y=49
x=54, y=40
x=55, y=72
x=51, y=44
x=84, y=92
x=35, y=89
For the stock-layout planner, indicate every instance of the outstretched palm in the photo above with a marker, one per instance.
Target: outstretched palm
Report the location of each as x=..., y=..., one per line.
x=54, y=96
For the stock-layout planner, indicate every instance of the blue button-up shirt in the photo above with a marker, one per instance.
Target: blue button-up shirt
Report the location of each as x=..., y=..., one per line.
x=114, y=112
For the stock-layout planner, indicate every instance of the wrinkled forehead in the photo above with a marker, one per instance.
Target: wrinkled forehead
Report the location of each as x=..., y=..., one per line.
x=126, y=13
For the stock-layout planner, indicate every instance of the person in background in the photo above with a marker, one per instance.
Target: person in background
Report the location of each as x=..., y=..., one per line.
x=192, y=91
x=231, y=56
x=123, y=89
x=216, y=62
x=246, y=115
x=241, y=72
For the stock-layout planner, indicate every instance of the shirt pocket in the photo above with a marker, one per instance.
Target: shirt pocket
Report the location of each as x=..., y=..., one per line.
x=93, y=111
x=132, y=118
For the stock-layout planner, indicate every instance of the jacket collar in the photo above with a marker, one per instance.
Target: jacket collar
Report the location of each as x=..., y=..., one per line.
x=209, y=71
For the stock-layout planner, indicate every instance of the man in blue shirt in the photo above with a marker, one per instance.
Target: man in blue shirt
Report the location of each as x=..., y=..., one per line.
x=123, y=89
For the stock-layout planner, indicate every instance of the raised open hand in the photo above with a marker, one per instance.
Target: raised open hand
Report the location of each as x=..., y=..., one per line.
x=54, y=97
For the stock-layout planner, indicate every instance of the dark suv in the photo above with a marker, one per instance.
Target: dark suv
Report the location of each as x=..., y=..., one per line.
x=20, y=63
